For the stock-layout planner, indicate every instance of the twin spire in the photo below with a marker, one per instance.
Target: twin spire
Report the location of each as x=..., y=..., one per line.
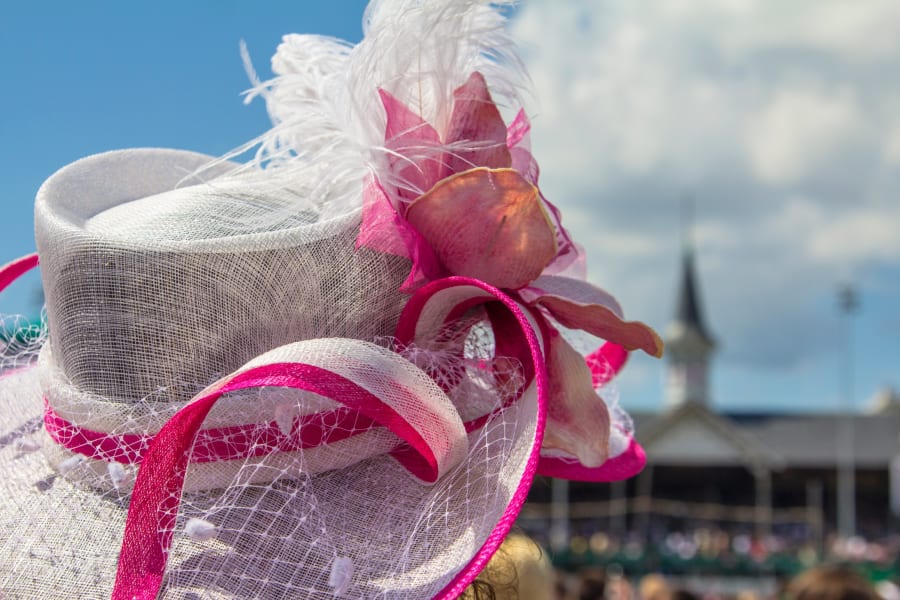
x=689, y=345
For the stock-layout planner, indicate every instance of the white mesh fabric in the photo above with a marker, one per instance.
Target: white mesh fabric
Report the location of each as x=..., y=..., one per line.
x=142, y=320
x=277, y=539
x=181, y=307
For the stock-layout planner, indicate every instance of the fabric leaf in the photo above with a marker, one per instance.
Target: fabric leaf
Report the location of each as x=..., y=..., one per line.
x=416, y=159
x=577, y=418
x=579, y=305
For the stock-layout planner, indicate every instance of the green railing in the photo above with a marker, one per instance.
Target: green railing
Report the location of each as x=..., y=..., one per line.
x=652, y=560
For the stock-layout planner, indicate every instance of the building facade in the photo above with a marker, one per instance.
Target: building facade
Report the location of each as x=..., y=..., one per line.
x=761, y=475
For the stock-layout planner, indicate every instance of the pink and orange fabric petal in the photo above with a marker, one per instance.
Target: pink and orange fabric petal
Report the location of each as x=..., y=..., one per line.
x=577, y=304
x=488, y=224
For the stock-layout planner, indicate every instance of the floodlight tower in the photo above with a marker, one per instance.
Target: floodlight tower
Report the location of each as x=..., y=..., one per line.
x=848, y=304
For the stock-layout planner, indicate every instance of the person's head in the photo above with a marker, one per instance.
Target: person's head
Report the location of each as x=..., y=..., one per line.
x=520, y=570
x=830, y=583
x=654, y=587
x=593, y=586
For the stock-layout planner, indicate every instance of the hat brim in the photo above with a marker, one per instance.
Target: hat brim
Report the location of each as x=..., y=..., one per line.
x=402, y=538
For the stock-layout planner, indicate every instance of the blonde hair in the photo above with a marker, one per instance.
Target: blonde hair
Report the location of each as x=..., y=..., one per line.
x=519, y=570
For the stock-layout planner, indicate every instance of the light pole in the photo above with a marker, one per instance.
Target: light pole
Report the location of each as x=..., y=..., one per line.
x=848, y=303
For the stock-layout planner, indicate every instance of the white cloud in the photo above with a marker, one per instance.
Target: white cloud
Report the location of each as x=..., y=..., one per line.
x=892, y=147
x=857, y=30
x=864, y=234
x=781, y=119
x=799, y=131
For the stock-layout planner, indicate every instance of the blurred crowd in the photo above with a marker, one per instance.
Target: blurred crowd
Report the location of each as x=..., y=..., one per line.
x=819, y=583
x=718, y=551
x=714, y=549
x=523, y=570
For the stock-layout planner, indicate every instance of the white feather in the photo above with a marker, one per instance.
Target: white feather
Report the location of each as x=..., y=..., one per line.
x=324, y=102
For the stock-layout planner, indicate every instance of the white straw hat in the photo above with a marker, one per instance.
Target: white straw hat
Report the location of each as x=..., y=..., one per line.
x=331, y=372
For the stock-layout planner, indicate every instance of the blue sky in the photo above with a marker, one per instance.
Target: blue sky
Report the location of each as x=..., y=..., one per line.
x=784, y=130
x=82, y=78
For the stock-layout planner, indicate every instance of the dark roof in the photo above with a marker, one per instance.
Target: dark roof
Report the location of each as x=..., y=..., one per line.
x=814, y=440
x=692, y=433
x=689, y=310
x=808, y=440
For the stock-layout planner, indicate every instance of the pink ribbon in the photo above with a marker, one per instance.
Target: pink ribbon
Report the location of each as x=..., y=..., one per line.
x=515, y=336
x=154, y=502
x=15, y=269
x=154, y=505
x=238, y=442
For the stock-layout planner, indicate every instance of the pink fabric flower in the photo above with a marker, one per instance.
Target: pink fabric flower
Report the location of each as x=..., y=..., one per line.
x=465, y=202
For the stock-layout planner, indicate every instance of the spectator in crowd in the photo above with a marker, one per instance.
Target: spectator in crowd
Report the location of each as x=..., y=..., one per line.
x=830, y=583
x=592, y=585
x=654, y=587
x=520, y=570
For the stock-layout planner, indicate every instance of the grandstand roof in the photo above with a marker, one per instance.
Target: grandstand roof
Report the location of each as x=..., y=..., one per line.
x=698, y=435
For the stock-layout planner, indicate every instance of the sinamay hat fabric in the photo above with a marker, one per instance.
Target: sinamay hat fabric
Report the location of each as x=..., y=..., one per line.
x=282, y=379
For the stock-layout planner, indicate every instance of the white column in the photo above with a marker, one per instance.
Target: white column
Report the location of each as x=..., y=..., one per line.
x=763, y=481
x=559, y=514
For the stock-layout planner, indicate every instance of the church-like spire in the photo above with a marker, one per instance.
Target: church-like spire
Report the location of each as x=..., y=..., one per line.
x=689, y=343
x=689, y=313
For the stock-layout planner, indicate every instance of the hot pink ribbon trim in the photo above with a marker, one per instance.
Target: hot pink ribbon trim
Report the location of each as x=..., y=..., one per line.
x=154, y=504
x=531, y=349
x=15, y=269
x=625, y=465
x=605, y=363
x=8, y=274
x=238, y=442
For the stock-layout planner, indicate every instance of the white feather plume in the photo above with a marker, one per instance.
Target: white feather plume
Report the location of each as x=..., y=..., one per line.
x=421, y=50
x=324, y=102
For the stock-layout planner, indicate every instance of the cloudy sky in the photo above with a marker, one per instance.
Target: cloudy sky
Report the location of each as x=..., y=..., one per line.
x=779, y=122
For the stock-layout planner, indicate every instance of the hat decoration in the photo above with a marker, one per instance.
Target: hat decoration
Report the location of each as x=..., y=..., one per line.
x=330, y=372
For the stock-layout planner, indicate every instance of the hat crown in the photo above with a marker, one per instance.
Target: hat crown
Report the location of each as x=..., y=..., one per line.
x=157, y=290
